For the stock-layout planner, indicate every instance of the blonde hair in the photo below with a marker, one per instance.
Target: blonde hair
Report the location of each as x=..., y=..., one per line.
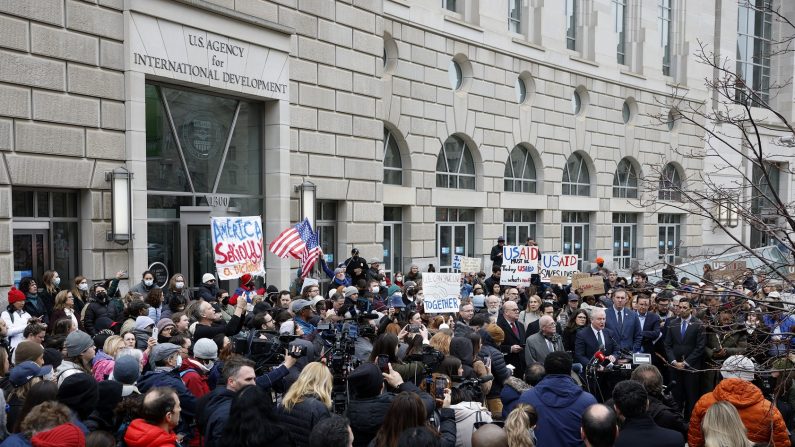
x=61, y=299
x=314, y=381
x=441, y=342
x=518, y=423
x=112, y=345
x=722, y=427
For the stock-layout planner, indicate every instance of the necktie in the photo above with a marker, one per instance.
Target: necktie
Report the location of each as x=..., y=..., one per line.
x=515, y=329
x=621, y=318
x=599, y=338
x=684, y=328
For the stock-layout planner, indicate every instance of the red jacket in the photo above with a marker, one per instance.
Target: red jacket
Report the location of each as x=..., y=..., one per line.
x=759, y=416
x=194, y=380
x=142, y=434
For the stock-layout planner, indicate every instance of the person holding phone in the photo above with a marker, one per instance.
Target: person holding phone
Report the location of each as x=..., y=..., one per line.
x=386, y=346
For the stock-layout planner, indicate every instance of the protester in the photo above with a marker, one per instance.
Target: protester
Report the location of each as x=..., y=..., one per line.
x=160, y=415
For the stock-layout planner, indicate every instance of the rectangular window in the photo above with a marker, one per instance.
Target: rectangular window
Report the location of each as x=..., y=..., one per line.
x=576, y=232
x=515, y=16
x=754, y=35
x=571, y=24
x=625, y=230
x=664, y=22
x=520, y=225
x=669, y=227
x=764, y=203
x=620, y=27
x=326, y=227
x=450, y=5
x=45, y=233
x=393, y=240
x=455, y=235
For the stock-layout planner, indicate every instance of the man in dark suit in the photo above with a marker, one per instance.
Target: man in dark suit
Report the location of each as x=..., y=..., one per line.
x=631, y=402
x=649, y=324
x=590, y=339
x=513, y=345
x=684, y=349
x=624, y=322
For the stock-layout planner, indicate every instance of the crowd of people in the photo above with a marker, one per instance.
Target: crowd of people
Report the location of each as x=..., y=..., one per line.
x=683, y=360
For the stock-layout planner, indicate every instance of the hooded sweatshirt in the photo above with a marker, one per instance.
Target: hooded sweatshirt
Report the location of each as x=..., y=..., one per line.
x=755, y=412
x=466, y=415
x=142, y=434
x=560, y=404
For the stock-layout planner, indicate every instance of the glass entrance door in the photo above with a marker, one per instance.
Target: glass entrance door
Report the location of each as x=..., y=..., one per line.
x=575, y=235
x=452, y=241
x=196, y=246
x=31, y=253
x=669, y=235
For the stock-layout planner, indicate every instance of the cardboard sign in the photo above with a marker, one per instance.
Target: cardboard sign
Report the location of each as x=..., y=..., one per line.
x=728, y=271
x=557, y=264
x=519, y=263
x=587, y=284
x=559, y=280
x=470, y=264
x=442, y=292
x=237, y=246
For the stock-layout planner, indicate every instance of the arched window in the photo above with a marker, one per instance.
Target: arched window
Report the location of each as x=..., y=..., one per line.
x=576, y=178
x=670, y=184
x=520, y=171
x=625, y=181
x=454, y=166
x=393, y=166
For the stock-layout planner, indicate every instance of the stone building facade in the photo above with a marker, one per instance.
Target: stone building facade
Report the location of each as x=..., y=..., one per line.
x=428, y=127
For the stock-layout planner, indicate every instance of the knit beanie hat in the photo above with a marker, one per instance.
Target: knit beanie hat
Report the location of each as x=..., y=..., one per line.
x=27, y=351
x=53, y=357
x=100, y=338
x=163, y=323
x=126, y=370
x=366, y=380
x=143, y=322
x=15, y=295
x=76, y=343
x=61, y=436
x=104, y=323
x=79, y=392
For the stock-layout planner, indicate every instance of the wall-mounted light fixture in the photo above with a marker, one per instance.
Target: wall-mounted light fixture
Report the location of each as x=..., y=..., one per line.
x=121, y=201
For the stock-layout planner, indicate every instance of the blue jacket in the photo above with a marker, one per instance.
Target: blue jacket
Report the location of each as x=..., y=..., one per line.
x=16, y=440
x=629, y=334
x=187, y=400
x=786, y=326
x=560, y=404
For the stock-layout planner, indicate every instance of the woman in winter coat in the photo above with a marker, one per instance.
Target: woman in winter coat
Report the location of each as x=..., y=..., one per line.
x=64, y=309
x=96, y=309
x=105, y=360
x=80, y=293
x=177, y=287
x=33, y=303
x=49, y=290
x=253, y=422
x=468, y=412
x=387, y=344
x=492, y=337
x=146, y=285
x=15, y=317
x=306, y=402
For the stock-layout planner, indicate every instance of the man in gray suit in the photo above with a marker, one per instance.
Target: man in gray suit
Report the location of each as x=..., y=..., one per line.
x=540, y=344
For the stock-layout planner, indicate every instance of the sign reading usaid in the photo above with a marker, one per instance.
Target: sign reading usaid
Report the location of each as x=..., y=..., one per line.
x=171, y=50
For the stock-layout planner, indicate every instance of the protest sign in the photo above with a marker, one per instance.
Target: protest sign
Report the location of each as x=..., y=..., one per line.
x=237, y=246
x=556, y=264
x=457, y=262
x=442, y=292
x=559, y=279
x=519, y=263
x=587, y=284
x=470, y=264
x=728, y=270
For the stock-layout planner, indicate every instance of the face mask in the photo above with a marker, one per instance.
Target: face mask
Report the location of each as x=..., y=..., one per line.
x=179, y=284
x=57, y=282
x=399, y=278
x=179, y=362
x=83, y=287
x=383, y=283
x=148, y=282
x=375, y=289
x=102, y=296
x=478, y=293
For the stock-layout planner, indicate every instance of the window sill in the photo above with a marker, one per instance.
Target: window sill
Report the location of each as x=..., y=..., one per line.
x=632, y=73
x=584, y=61
x=670, y=83
x=459, y=21
x=526, y=43
x=401, y=3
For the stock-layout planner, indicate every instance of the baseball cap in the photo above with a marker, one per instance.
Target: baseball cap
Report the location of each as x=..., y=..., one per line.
x=22, y=373
x=297, y=305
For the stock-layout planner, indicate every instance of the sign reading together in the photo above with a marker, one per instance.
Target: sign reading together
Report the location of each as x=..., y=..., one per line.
x=442, y=292
x=237, y=246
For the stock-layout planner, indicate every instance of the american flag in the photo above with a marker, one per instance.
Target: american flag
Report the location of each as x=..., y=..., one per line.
x=292, y=241
x=311, y=250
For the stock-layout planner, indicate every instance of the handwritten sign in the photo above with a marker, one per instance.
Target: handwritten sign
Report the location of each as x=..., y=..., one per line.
x=557, y=264
x=587, y=284
x=457, y=262
x=442, y=292
x=470, y=264
x=519, y=263
x=728, y=271
x=237, y=246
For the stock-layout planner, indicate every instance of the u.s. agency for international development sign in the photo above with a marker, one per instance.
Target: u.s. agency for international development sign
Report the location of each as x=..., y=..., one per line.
x=172, y=50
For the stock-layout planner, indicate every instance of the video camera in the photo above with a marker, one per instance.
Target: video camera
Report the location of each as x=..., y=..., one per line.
x=473, y=386
x=429, y=357
x=266, y=349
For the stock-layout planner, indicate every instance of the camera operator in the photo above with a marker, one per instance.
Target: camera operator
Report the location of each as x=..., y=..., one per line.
x=364, y=341
x=370, y=400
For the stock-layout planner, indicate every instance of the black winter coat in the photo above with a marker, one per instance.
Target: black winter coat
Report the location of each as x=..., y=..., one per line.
x=367, y=415
x=207, y=292
x=498, y=368
x=95, y=311
x=212, y=414
x=187, y=400
x=302, y=418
